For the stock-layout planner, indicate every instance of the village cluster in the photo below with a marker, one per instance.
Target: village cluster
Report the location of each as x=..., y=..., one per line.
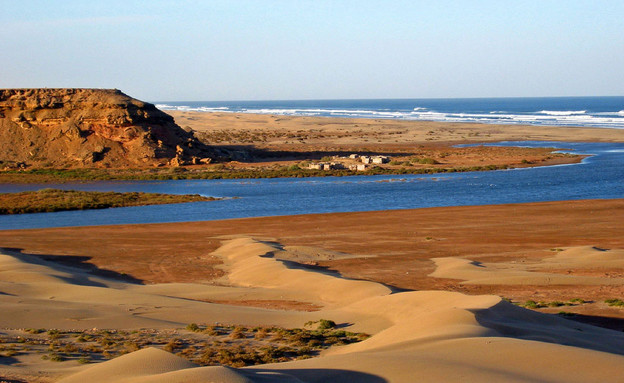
x=362, y=163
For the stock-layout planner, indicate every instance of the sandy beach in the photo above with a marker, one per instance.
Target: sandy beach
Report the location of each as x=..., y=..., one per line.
x=264, y=130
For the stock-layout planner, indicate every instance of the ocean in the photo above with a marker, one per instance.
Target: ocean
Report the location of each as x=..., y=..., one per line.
x=601, y=112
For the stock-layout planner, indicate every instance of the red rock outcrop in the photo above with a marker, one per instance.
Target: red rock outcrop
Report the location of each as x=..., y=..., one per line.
x=90, y=128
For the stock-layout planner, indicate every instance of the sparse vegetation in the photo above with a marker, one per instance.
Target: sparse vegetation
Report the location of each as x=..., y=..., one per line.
x=325, y=324
x=531, y=304
x=235, y=346
x=217, y=171
x=322, y=324
x=50, y=200
x=425, y=161
x=615, y=302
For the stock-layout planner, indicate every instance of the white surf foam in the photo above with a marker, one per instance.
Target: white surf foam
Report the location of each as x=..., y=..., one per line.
x=562, y=112
x=186, y=108
x=543, y=117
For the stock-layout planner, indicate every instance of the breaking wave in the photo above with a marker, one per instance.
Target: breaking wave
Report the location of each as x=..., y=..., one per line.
x=562, y=112
x=484, y=113
x=186, y=108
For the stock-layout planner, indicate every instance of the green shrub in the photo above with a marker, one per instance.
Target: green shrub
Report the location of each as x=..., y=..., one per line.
x=326, y=324
x=56, y=358
x=530, y=304
x=193, y=327
x=425, y=161
x=614, y=302
x=54, y=334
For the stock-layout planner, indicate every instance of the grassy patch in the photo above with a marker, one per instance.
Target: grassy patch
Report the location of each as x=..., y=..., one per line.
x=50, y=200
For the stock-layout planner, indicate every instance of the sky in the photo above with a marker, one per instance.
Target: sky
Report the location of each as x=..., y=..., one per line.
x=288, y=49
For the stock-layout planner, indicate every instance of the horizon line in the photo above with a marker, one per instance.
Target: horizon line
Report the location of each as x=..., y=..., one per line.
x=388, y=99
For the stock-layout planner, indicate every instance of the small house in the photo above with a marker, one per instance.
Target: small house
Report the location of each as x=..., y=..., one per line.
x=380, y=160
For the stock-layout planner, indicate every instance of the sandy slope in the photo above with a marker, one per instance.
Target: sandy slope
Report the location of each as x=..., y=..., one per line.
x=527, y=273
x=418, y=336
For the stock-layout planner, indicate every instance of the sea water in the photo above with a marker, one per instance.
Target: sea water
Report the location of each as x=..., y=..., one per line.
x=602, y=112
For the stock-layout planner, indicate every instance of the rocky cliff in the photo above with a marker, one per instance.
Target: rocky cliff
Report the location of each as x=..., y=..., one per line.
x=90, y=128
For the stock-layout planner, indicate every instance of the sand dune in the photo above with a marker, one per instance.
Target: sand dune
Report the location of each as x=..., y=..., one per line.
x=586, y=256
x=152, y=365
x=253, y=263
x=535, y=273
x=430, y=336
x=68, y=298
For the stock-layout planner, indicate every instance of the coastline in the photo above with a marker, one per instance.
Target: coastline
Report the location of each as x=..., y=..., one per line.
x=270, y=146
x=400, y=275
x=405, y=131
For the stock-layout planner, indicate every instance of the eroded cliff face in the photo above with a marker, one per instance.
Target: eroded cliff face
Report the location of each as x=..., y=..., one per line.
x=90, y=128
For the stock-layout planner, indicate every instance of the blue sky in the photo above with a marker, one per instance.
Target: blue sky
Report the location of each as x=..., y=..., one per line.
x=251, y=50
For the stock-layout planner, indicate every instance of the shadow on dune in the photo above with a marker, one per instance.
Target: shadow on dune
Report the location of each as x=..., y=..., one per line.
x=65, y=263
x=323, y=375
x=326, y=270
x=611, y=323
x=512, y=321
x=5, y=380
x=7, y=361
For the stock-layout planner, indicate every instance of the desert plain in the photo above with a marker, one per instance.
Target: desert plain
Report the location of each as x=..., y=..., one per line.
x=444, y=293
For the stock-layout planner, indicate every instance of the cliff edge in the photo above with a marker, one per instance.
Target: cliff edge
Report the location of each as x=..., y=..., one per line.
x=90, y=128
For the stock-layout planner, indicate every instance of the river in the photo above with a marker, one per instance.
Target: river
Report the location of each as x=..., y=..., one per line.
x=599, y=176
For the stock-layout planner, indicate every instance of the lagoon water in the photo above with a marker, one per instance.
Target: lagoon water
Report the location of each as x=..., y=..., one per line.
x=599, y=176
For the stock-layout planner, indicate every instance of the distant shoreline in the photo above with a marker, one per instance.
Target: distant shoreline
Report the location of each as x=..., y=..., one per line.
x=444, y=132
x=601, y=112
